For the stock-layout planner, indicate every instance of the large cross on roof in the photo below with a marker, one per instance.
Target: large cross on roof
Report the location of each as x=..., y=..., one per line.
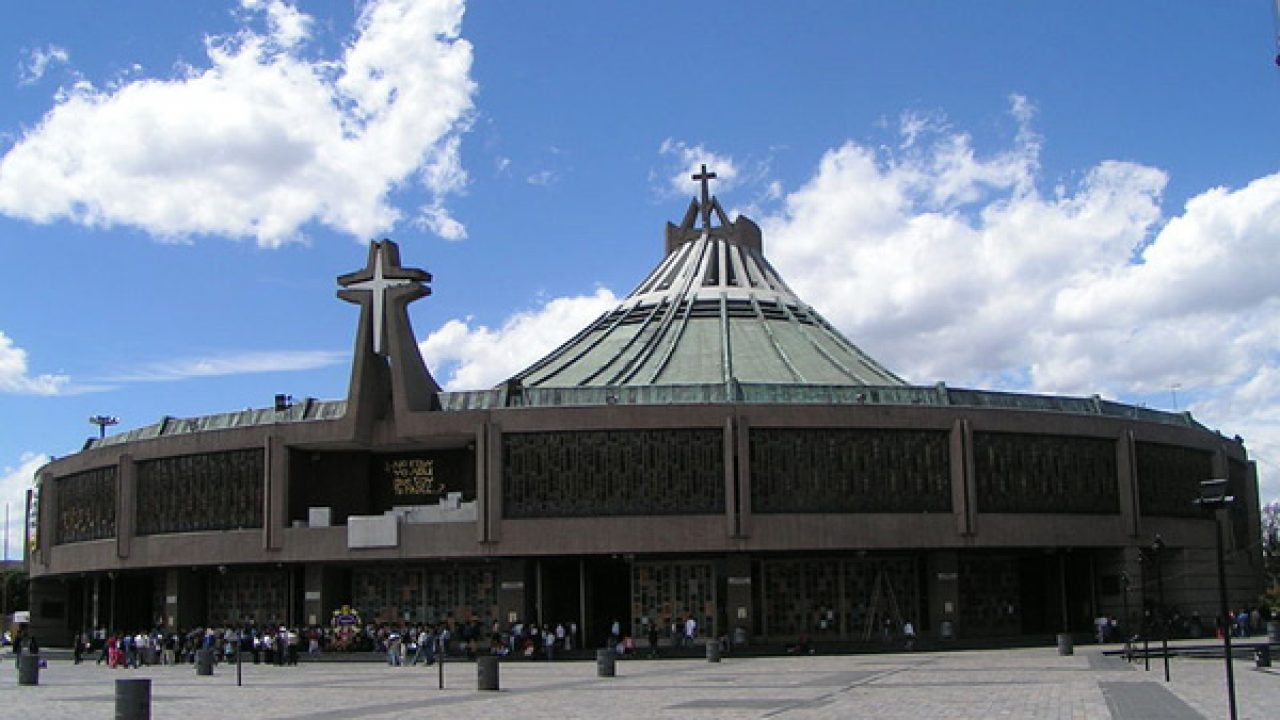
x=381, y=275
x=705, y=178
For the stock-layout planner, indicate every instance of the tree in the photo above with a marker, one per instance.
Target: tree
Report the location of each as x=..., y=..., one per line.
x=1271, y=552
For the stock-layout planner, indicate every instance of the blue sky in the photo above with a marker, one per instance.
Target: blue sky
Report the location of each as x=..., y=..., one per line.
x=1053, y=197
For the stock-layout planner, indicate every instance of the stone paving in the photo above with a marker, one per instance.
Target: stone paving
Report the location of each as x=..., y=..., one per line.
x=1017, y=683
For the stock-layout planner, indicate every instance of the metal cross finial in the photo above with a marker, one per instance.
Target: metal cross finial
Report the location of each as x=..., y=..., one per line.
x=705, y=177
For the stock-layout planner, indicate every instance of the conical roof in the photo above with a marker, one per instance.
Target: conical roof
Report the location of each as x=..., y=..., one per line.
x=713, y=311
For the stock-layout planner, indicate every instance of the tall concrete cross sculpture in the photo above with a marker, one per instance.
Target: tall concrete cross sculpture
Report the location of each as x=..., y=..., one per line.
x=382, y=275
x=705, y=178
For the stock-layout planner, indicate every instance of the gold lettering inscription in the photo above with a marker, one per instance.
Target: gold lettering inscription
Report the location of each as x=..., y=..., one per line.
x=412, y=476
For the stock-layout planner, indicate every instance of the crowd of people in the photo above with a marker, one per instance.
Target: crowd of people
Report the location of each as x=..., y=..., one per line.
x=1246, y=622
x=403, y=644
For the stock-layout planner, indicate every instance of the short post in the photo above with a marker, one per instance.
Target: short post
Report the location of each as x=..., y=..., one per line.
x=443, y=648
x=133, y=699
x=1066, y=645
x=204, y=662
x=487, y=672
x=713, y=650
x=28, y=669
x=605, y=663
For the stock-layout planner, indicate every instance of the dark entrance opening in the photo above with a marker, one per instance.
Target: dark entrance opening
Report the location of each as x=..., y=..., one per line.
x=1039, y=594
x=561, y=593
x=608, y=586
x=1051, y=584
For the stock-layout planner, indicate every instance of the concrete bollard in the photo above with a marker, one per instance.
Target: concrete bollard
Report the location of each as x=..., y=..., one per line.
x=487, y=672
x=133, y=699
x=204, y=662
x=28, y=669
x=606, y=663
x=713, y=651
x=1065, y=646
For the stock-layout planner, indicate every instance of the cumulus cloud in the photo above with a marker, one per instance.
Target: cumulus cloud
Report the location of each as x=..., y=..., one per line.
x=15, y=377
x=262, y=141
x=14, y=483
x=38, y=61
x=466, y=356
x=948, y=264
x=685, y=160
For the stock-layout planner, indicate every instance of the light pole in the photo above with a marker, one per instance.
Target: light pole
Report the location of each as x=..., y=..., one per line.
x=1214, y=499
x=1125, y=627
x=1146, y=623
x=102, y=421
x=1162, y=618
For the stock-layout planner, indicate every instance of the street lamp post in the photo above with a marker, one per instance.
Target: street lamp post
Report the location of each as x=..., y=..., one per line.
x=102, y=421
x=1214, y=499
x=1162, y=617
x=1146, y=623
x=1125, y=627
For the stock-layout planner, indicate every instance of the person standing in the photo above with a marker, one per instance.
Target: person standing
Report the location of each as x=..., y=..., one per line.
x=549, y=642
x=653, y=639
x=690, y=629
x=909, y=635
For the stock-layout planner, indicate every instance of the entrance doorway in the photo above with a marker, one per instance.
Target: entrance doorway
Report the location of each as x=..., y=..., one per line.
x=608, y=595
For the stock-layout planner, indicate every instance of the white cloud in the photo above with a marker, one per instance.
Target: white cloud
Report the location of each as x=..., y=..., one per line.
x=687, y=160
x=262, y=142
x=542, y=178
x=470, y=357
x=38, y=61
x=232, y=364
x=16, y=378
x=947, y=264
x=14, y=483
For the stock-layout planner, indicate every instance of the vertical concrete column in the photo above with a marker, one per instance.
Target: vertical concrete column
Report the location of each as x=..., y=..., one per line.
x=494, y=471
x=1127, y=484
x=962, y=491
x=275, y=511
x=744, y=476
x=172, y=589
x=46, y=517
x=479, y=438
x=739, y=598
x=313, y=599
x=944, y=593
x=729, y=440
x=126, y=505
x=511, y=591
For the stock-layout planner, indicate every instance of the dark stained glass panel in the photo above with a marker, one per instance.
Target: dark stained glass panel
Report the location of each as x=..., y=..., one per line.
x=190, y=493
x=613, y=472
x=1018, y=473
x=835, y=470
x=87, y=505
x=1169, y=478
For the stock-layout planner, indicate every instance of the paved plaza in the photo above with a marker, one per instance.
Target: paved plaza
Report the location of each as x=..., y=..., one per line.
x=1018, y=683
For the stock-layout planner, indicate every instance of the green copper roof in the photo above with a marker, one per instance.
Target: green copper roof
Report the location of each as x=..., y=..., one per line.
x=713, y=311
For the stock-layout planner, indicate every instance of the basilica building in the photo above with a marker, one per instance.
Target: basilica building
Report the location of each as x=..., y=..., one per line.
x=711, y=447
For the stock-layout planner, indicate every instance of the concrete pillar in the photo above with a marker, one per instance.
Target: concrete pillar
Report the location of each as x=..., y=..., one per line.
x=944, y=592
x=275, y=493
x=739, y=598
x=171, y=595
x=1127, y=484
x=126, y=507
x=744, y=475
x=511, y=591
x=962, y=483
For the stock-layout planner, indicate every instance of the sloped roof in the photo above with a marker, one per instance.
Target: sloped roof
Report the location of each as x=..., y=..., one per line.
x=713, y=311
